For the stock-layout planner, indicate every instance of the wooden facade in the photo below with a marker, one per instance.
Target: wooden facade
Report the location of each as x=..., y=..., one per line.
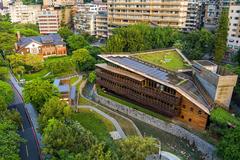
x=152, y=95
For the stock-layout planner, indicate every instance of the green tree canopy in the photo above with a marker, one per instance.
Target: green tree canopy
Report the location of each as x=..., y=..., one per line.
x=33, y=63
x=38, y=92
x=4, y=75
x=83, y=59
x=60, y=66
x=92, y=77
x=229, y=146
x=221, y=37
x=54, y=108
x=6, y=91
x=61, y=138
x=101, y=152
x=76, y=42
x=137, y=148
x=7, y=41
x=65, y=32
x=3, y=104
x=9, y=139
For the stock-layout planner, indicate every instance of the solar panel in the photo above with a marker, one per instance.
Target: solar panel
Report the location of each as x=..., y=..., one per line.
x=141, y=67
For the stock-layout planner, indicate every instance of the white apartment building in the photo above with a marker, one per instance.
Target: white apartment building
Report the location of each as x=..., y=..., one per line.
x=102, y=24
x=24, y=13
x=212, y=13
x=58, y=3
x=194, y=15
x=48, y=21
x=87, y=17
x=233, y=40
x=158, y=12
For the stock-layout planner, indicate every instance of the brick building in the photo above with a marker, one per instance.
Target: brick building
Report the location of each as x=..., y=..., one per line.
x=45, y=45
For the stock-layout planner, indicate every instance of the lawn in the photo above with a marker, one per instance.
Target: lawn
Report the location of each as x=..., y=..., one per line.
x=32, y=76
x=73, y=79
x=129, y=104
x=127, y=127
x=168, y=59
x=95, y=123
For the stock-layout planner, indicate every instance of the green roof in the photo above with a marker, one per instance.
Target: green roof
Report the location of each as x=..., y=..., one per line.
x=167, y=59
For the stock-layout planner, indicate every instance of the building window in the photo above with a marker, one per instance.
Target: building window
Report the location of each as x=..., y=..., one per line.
x=182, y=117
x=191, y=109
x=236, y=18
x=199, y=112
x=184, y=106
x=190, y=120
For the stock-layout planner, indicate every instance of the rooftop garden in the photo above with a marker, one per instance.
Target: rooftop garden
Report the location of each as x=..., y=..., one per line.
x=168, y=59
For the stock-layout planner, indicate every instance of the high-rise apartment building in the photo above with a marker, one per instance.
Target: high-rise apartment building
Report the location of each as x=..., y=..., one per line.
x=24, y=13
x=194, y=15
x=212, y=13
x=233, y=40
x=101, y=24
x=58, y=3
x=48, y=21
x=92, y=19
x=158, y=12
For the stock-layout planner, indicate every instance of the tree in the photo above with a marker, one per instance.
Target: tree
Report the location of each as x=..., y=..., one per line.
x=92, y=77
x=237, y=57
x=221, y=37
x=137, y=148
x=60, y=66
x=38, y=92
x=4, y=75
x=33, y=63
x=6, y=27
x=65, y=32
x=7, y=41
x=229, y=146
x=83, y=59
x=5, y=18
x=94, y=51
x=61, y=138
x=17, y=63
x=9, y=139
x=76, y=42
x=101, y=152
x=54, y=108
x=6, y=91
x=3, y=104
x=115, y=43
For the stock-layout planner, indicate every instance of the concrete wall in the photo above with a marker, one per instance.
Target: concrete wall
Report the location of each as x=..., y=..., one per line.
x=205, y=148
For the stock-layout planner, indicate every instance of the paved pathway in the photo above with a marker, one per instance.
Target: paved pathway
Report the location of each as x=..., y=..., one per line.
x=79, y=79
x=114, y=122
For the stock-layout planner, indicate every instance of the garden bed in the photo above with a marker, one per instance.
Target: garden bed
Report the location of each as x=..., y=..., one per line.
x=168, y=59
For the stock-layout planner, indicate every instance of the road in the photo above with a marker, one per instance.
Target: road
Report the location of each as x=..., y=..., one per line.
x=29, y=150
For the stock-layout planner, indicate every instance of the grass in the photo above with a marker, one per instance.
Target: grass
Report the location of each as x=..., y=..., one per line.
x=95, y=123
x=32, y=76
x=169, y=59
x=131, y=105
x=128, y=128
x=73, y=79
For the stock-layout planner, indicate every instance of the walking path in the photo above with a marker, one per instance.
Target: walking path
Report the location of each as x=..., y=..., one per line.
x=114, y=122
x=90, y=91
x=79, y=79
